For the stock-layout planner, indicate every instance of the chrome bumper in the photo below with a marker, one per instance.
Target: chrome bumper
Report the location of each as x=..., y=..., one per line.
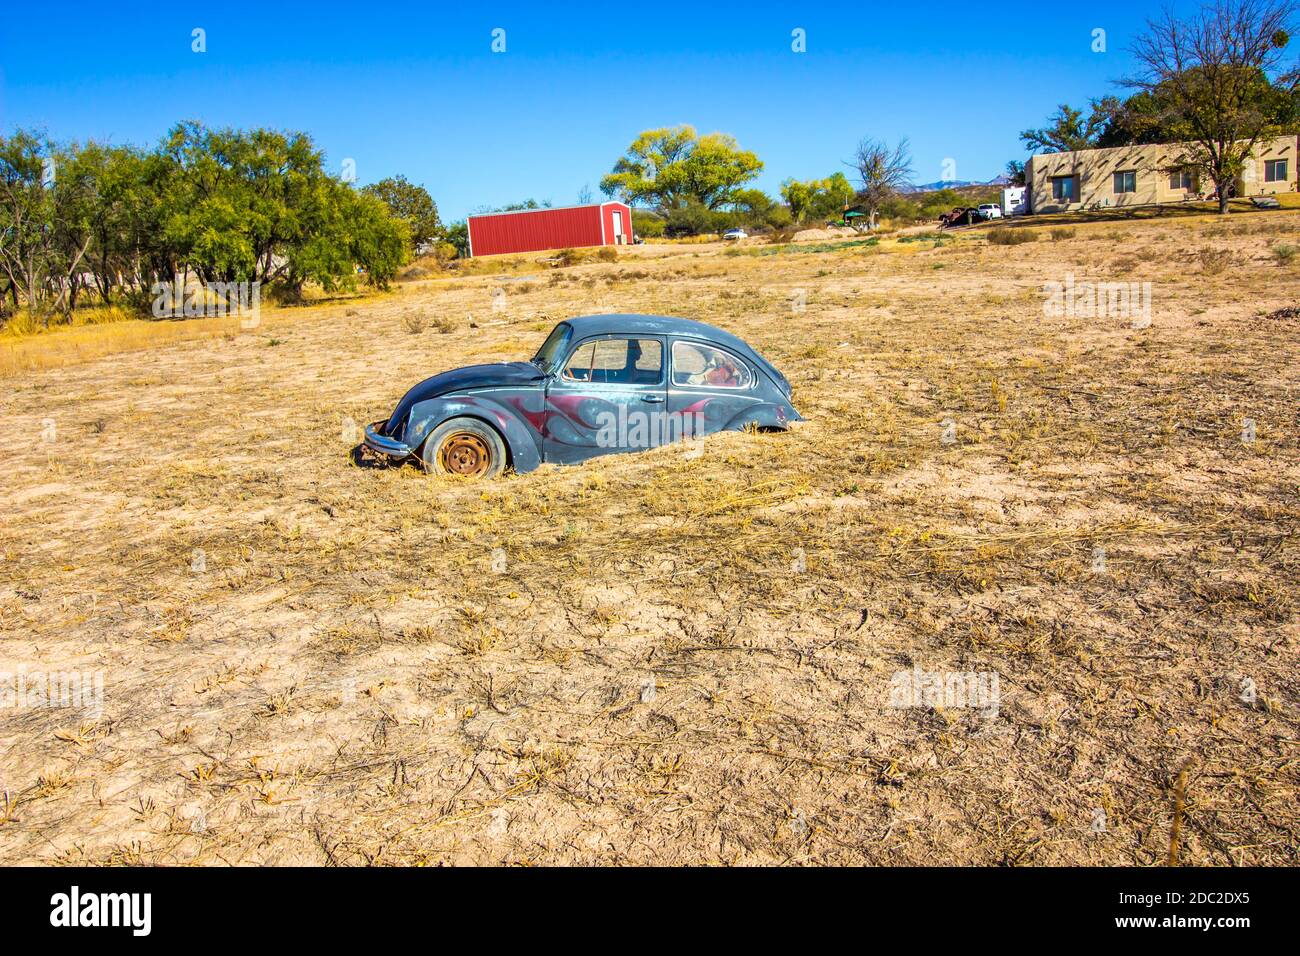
x=384, y=445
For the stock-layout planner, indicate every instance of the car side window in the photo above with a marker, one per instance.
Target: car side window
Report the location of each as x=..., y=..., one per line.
x=707, y=367
x=579, y=367
x=617, y=362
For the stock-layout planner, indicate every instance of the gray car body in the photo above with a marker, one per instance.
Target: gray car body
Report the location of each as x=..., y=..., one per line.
x=544, y=417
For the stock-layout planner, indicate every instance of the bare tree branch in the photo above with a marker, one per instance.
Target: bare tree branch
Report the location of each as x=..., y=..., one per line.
x=884, y=172
x=1213, y=72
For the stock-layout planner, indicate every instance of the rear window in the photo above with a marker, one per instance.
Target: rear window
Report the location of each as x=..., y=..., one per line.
x=707, y=367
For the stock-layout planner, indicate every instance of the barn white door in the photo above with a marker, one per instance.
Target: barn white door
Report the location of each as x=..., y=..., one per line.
x=618, y=228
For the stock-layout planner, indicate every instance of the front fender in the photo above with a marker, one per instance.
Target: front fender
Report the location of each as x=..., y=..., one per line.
x=525, y=449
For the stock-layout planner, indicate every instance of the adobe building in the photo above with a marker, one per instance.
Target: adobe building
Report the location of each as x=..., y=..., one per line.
x=1147, y=175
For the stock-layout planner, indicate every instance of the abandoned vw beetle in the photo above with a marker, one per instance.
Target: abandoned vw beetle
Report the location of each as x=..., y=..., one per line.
x=599, y=384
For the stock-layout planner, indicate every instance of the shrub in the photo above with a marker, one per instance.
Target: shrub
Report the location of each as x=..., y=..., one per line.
x=694, y=219
x=281, y=292
x=1284, y=252
x=1010, y=236
x=139, y=301
x=26, y=322
x=647, y=224
x=1064, y=233
x=1214, y=261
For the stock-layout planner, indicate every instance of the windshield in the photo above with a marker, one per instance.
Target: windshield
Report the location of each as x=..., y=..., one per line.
x=552, y=350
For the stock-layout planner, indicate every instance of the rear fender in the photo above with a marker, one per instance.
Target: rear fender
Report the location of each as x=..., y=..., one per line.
x=764, y=416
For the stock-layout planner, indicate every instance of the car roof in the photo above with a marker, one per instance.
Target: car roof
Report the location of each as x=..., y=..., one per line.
x=631, y=323
x=586, y=325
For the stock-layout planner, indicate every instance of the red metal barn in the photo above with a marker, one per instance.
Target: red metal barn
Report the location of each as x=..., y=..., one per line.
x=533, y=230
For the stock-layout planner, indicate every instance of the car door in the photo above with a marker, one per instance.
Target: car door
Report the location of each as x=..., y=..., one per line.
x=709, y=387
x=609, y=396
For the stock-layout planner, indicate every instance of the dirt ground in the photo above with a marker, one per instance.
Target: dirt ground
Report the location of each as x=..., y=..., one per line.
x=668, y=658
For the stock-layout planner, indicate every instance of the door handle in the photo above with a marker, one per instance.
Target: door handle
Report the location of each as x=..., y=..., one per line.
x=652, y=398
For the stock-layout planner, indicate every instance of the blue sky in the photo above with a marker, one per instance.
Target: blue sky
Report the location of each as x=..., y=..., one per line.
x=416, y=89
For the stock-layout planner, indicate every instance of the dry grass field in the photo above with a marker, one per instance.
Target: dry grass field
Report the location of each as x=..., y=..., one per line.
x=683, y=659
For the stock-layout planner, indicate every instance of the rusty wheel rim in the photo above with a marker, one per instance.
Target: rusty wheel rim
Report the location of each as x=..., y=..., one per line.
x=465, y=454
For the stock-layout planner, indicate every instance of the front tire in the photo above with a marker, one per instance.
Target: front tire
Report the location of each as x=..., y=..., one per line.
x=463, y=448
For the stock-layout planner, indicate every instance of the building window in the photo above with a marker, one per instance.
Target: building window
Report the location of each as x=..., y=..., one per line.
x=1063, y=188
x=1275, y=171
x=1126, y=181
x=1181, y=179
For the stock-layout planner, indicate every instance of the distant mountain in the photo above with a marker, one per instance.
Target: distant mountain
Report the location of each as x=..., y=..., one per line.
x=940, y=184
x=958, y=184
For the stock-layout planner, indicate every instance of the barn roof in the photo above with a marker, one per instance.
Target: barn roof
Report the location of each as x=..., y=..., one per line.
x=517, y=212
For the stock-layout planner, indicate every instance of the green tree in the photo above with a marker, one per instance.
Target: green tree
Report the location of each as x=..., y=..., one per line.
x=410, y=203
x=46, y=202
x=458, y=235
x=817, y=198
x=258, y=204
x=238, y=200
x=674, y=168
x=227, y=205
x=636, y=174
x=124, y=215
x=75, y=202
x=349, y=234
x=75, y=218
x=647, y=224
x=132, y=189
x=755, y=208
x=27, y=234
x=836, y=193
x=528, y=203
x=798, y=195
x=1069, y=129
x=694, y=218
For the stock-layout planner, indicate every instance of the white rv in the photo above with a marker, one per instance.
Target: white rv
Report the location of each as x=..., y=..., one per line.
x=1015, y=201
